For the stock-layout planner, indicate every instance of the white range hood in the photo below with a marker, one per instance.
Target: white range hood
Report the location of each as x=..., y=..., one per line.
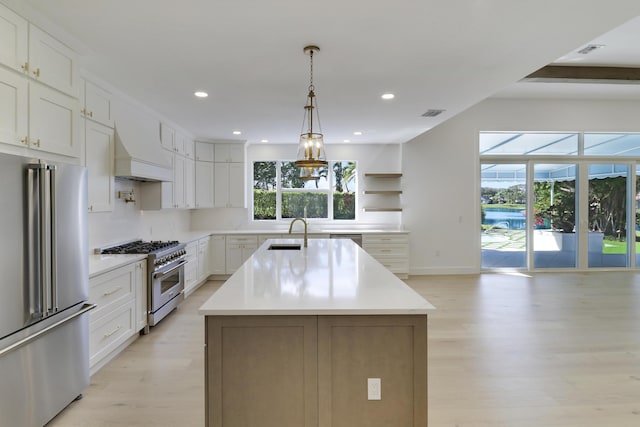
x=139, y=153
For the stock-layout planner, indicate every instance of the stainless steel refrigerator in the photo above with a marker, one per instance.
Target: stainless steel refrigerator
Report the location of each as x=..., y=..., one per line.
x=44, y=325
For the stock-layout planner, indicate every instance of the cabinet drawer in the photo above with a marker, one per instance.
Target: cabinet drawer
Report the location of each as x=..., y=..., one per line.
x=203, y=243
x=111, y=289
x=395, y=265
x=107, y=333
x=384, y=239
x=192, y=250
x=242, y=240
x=389, y=250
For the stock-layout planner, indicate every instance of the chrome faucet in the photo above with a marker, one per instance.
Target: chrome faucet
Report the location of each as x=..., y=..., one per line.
x=305, y=228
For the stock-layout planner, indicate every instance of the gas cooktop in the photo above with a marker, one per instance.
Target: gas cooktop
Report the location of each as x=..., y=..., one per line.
x=140, y=247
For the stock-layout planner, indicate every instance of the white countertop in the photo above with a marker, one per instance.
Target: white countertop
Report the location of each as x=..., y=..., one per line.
x=330, y=277
x=99, y=264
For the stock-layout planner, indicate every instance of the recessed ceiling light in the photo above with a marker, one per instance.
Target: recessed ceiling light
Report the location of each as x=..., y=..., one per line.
x=201, y=94
x=237, y=132
x=264, y=140
x=357, y=133
x=388, y=96
x=347, y=140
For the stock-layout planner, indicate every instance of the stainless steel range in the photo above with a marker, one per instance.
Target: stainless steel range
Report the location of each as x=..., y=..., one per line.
x=165, y=267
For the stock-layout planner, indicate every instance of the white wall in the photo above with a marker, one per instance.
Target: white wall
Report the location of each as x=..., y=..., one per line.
x=128, y=222
x=441, y=171
x=369, y=158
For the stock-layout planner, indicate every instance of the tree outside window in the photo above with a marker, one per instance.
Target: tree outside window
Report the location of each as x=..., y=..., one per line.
x=279, y=192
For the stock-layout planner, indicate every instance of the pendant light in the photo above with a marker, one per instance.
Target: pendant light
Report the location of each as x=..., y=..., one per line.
x=309, y=174
x=311, y=146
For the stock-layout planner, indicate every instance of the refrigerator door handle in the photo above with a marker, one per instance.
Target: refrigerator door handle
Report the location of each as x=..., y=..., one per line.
x=53, y=233
x=85, y=308
x=37, y=290
x=45, y=244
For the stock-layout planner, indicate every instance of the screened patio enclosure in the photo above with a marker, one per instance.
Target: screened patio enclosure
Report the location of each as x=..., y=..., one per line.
x=554, y=200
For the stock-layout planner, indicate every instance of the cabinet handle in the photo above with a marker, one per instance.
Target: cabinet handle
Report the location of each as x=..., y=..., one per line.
x=106, y=294
x=25, y=141
x=37, y=143
x=90, y=208
x=108, y=334
x=90, y=113
x=25, y=67
x=36, y=72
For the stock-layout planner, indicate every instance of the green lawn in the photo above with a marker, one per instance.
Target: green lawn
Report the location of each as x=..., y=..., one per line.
x=615, y=247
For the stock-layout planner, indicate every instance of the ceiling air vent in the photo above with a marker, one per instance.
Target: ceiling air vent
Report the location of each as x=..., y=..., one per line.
x=590, y=48
x=432, y=113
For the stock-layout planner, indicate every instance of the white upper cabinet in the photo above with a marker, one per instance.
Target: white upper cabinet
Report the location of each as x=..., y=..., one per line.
x=229, y=153
x=167, y=136
x=204, y=184
x=229, y=185
x=14, y=105
x=99, y=158
x=189, y=149
x=97, y=104
x=13, y=40
x=204, y=151
x=53, y=122
x=52, y=63
x=189, y=184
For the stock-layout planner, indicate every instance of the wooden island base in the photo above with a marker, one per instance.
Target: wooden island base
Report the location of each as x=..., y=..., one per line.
x=312, y=370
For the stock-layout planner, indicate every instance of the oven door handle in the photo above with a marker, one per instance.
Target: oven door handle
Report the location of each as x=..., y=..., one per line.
x=164, y=273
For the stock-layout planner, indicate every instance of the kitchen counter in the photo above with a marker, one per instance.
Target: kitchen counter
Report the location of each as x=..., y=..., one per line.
x=324, y=335
x=297, y=229
x=331, y=276
x=99, y=264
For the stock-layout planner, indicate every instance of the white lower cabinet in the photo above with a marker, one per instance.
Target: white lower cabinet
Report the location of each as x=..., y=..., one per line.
x=218, y=255
x=239, y=249
x=191, y=267
x=140, y=276
x=120, y=311
x=197, y=268
x=203, y=258
x=391, y=250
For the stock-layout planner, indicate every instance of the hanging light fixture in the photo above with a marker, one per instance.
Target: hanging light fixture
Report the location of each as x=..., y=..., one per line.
x=311, y=146
x=309, y=174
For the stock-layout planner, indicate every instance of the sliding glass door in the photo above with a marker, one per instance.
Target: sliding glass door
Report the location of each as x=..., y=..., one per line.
x=560, y=201
x=503, y=215
x=555, y=212
x=608, y=245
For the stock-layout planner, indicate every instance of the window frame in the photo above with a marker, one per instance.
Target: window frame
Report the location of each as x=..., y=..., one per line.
x=329, y=191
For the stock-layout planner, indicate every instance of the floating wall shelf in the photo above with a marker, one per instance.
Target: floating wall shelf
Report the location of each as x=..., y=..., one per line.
x=386, y=192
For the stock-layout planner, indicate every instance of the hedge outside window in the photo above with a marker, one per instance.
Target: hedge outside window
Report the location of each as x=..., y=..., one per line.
x=280, y=193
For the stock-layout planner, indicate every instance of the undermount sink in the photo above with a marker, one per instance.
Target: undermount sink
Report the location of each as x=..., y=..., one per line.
x=284, y=247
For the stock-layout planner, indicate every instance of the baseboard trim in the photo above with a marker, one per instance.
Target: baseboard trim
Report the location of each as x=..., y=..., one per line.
x=430, y=271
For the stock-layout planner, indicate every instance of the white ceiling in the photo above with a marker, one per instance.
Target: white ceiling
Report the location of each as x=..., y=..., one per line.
x=248, y=55
x=619, y=47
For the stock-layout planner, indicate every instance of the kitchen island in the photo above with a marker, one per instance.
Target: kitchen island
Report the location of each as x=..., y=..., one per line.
x=316, y=336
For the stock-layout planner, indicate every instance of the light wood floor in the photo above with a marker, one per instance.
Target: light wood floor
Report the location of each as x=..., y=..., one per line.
x=547, y=350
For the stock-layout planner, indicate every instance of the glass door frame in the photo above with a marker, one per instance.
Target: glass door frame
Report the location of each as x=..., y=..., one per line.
x=582, y=205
